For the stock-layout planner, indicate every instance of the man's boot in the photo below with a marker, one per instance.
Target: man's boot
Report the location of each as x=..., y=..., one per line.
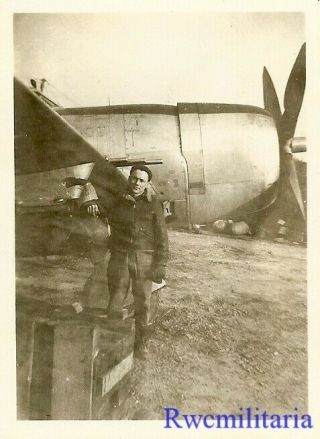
x=141, y=343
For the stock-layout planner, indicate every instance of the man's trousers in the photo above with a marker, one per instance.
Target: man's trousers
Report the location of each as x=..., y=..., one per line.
x=135, y=266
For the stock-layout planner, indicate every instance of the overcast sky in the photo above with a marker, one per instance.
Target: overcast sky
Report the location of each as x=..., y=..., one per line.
x=160, y=57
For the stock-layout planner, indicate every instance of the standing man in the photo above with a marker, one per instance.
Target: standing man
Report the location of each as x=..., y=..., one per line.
x=139, y=250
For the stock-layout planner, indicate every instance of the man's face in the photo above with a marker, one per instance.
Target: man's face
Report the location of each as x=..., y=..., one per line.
x=138, y=181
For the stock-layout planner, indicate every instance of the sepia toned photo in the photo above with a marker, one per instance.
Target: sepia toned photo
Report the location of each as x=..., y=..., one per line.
x=161, y=218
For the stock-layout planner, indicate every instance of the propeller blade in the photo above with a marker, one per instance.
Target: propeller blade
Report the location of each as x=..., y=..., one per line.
x=270, y=98
x=294, y=182
x=43, y=139
x=108, y=182
x=296, y=83
x=293, y=97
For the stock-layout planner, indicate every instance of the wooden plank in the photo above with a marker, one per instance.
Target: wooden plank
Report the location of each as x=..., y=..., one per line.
x=74, y=348
x=24, y=359
x=41, y=380
x=114, y=375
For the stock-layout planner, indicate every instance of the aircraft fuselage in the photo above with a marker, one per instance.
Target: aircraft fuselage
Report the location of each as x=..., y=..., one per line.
x=216, y=157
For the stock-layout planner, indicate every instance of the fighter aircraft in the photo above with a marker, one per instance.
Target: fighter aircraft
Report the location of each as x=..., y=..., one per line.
x=209, y=160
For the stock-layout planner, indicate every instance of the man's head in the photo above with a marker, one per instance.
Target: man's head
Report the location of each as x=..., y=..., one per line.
x=139, y=178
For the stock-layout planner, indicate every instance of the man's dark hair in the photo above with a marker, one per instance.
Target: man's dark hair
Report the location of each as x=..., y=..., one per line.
x=142, y=168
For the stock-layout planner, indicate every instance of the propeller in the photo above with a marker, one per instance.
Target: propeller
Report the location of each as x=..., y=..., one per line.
x=286, y=122
x=270, y=98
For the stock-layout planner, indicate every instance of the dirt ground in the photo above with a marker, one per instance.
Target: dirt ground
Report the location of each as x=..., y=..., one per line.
x=231, y=330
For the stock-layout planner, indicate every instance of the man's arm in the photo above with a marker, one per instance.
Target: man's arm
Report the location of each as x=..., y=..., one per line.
x=161, y=236
x=89, y=200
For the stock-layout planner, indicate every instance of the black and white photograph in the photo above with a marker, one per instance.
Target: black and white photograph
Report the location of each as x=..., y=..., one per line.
x=161, y=219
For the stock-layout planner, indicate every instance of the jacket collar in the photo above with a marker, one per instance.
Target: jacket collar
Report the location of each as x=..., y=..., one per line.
x=146, y=196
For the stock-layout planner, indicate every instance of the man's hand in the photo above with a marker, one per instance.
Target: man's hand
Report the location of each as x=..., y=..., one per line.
x=158, y=273
x=93, y=209
x=77, y=307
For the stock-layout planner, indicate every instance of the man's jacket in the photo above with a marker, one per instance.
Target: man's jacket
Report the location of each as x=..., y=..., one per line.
x=139, y=226
x=136, y=226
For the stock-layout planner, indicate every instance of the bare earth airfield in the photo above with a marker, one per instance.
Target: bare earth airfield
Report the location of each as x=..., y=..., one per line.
x=231, y=329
